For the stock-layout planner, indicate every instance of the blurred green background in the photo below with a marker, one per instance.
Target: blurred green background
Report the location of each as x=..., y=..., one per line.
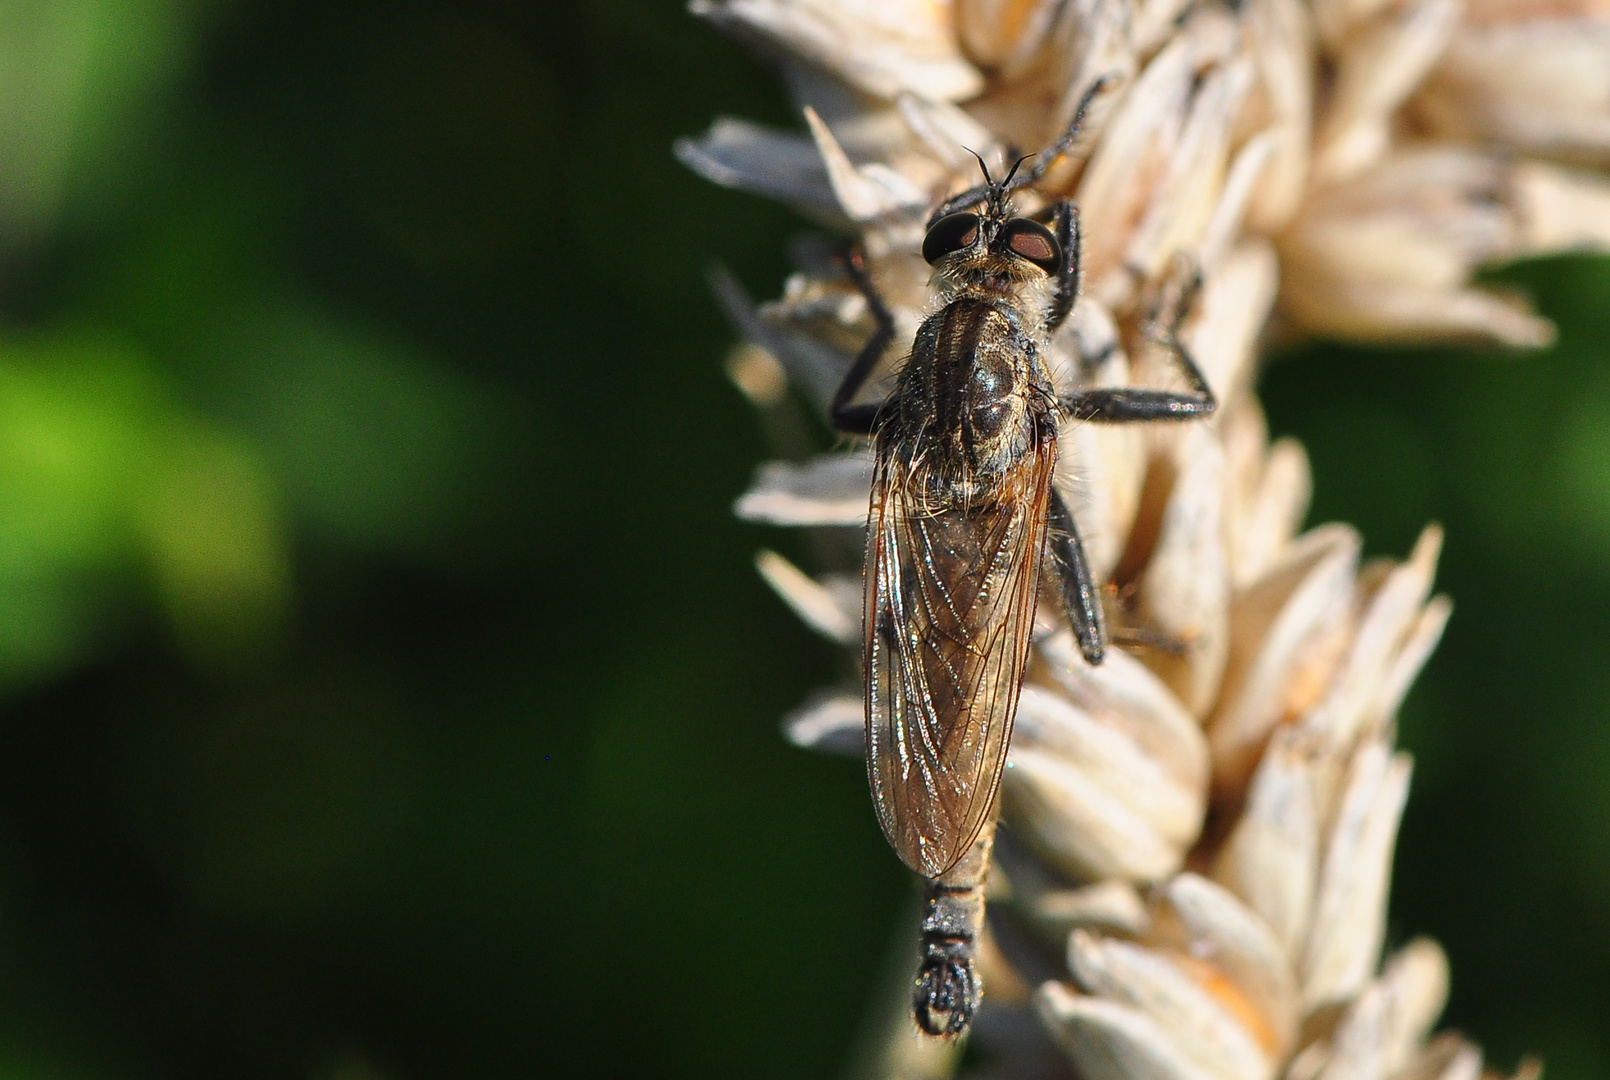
x=385, y=689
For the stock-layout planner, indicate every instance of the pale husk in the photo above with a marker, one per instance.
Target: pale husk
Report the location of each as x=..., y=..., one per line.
x=1207, y=837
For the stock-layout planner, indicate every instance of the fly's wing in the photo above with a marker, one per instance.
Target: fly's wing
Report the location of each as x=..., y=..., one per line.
x=950, y=599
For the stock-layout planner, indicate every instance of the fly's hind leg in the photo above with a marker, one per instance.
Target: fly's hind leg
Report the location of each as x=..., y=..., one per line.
x=1075, y=582
x=858, y=419
x=1141, y=637
x=1081, y=599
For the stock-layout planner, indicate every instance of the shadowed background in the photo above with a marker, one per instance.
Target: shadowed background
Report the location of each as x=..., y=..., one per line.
x=385, y=689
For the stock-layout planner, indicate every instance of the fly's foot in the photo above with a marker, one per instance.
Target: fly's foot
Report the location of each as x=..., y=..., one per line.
x=1141, y=637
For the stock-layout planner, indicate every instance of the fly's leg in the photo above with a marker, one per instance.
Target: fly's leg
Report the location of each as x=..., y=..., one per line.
x=1119, y=405
x=858, y=419
x=1055, y=152
x=1042, y=163
x=1083, y=602
x=1141, y=637
x=1066, y=289
x=1127, y=404
x=1077, y=584
x=1091, y=363
x=971, y=197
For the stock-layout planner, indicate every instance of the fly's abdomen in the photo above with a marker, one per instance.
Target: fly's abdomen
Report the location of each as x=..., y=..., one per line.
x=948, y=989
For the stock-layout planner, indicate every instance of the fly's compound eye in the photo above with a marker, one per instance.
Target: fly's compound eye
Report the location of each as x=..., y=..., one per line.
x=950, y=234
x=1032, y=241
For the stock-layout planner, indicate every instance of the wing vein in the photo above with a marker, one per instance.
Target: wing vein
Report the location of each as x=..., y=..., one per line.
x=951, y=593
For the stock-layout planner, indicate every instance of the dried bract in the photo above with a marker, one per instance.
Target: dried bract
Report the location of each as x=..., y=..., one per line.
x=1199, y=831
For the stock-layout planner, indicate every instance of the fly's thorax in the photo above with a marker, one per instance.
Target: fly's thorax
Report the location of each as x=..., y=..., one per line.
x=974, y=398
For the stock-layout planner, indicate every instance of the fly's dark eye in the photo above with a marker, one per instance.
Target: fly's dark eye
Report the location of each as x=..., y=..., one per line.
x=950, y=233
x=1034, y=242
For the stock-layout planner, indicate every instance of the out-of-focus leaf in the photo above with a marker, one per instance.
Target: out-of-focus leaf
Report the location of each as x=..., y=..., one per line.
x=1582, y=470
x=376, y=447
x=76, y=82
x=279, y=808
x=209, y=519
x=107, y=480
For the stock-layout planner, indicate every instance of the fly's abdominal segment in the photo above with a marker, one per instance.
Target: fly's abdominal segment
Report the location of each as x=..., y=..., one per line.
x=964, y=527
x=948, y=989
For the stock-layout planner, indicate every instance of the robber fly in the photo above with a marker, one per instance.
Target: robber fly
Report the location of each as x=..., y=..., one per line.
x=962, y=517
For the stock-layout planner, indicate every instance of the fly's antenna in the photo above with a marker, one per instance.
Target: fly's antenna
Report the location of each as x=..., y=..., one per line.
x=990, y=192
x=995, y=191
x=1007, y=183
x=988, y=179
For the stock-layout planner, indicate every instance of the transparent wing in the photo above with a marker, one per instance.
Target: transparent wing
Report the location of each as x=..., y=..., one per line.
x=950, y=599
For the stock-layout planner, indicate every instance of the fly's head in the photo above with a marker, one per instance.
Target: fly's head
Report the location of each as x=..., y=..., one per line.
x=986, y=248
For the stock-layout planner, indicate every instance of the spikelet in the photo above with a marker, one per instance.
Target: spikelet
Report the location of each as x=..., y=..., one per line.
x=1199, y=845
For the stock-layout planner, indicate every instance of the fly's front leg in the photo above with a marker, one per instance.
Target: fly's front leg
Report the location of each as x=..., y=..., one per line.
x=1043, y=160
x=1077, y=585
x=858, y=419
x=1125, y=404
x=1066, y=290
x=971, y=197
x=1055, y=152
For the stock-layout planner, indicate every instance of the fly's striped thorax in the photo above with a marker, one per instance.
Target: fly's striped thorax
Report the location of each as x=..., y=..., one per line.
x=973, y=392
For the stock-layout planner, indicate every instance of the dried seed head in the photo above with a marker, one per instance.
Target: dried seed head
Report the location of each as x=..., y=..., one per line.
x=1205, y=834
